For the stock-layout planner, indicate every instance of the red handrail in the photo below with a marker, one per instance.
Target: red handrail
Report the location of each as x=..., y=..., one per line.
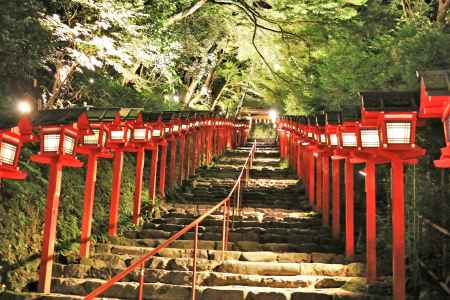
x=140, y=263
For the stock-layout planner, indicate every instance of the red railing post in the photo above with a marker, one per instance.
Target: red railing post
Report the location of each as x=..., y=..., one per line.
x=194, y=264
x=115, y=195
x=89, y=193
x=336, y=226
x=188, y=158
x=371, y=220
x=140, y=155
x=349, y=213
x=224, y=227
x=141, y=282
x=153, y=172
x=51, y=219
x=398, y=230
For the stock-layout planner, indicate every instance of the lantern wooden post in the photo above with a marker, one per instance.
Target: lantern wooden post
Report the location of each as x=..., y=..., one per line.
x=140, y=156
x=318, y=206
x=153, y=173
x=162, y=169
x=336, y=225
x=311, y=179
x=51, y=219
x=173, y=160
x=181, y=176
x=398, y=230
x=371, y=222
x=326, y=191
x=89, y=194
x=349, y=207
x=115, y=195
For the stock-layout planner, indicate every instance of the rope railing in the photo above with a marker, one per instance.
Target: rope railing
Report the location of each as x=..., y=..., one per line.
x=243, y=178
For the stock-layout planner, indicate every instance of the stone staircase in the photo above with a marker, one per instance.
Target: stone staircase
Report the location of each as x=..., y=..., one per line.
x=278, y=249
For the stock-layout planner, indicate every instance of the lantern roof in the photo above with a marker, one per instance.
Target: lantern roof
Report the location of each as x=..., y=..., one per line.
x=96, y=114
x=350, y=113
x=302, y=120
x=148, y=116
x=333, y=117
x=320, y=119
x=57, y=116
x=390, y=101
x=128, y=114
x=437, y=82
x=311, y=120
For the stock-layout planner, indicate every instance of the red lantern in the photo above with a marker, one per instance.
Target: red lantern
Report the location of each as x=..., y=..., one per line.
x=59, y=131
x=13, y=134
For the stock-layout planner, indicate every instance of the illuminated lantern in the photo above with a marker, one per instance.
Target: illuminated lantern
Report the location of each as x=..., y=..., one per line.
x=397, y=118
x=435, y=103
x=59, y=131
x=92, y=143
x=348, y=131
x=13, y=133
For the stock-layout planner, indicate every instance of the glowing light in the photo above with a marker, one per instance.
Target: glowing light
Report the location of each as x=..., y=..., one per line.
x=362, y=173
x=349, y=139
x=273, y=114
x=370, y=138
x=24, y=107
x=398, y=132
x=7, y=153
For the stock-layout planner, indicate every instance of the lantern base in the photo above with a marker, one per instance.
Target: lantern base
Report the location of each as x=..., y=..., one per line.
x=17, y=175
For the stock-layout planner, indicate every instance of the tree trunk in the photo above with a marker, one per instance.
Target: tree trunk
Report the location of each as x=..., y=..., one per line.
x=186, y=13
x=222, y=90
x=63, y=74
x=443, y=6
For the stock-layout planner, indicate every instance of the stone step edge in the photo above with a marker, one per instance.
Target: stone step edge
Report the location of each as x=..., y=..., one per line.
x=204, y=276
x=243, y=292
x=265, y=256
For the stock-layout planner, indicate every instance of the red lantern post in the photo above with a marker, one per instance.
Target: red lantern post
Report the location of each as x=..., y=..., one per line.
x=93, y=145
x=397, y=118
x=435, y=103
x=58, y=131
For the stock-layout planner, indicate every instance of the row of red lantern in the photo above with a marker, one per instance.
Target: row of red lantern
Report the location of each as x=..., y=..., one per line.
x=382, y=131
x=108, y=133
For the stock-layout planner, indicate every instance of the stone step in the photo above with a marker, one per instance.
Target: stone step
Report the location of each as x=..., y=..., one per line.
x=111, y=261
x=9, y=295
x=235, y=236
x=158, y=291
x=235, y=246
x=208, y=278
x=184, y=211
x=263, y=256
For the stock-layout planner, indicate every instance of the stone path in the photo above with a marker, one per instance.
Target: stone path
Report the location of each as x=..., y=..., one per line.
x=278, y=248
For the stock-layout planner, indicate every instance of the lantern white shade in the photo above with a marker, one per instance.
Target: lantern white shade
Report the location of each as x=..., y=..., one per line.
x=310, y=135
x=398, y=132
x=333, y=139
x=139, y=134
x=69, y=144
x=117, y=134
x=184, y=126
x=349, y=139
x=323, y=138
x=7, y=153
x=370, y=138
x=175, y=128
x=51, y=142
x=156, y=132
x=92, y=139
